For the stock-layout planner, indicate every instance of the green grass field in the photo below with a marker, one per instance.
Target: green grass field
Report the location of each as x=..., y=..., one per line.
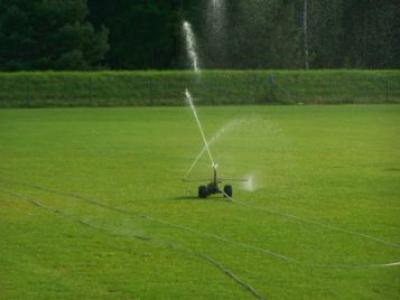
x=92, y=205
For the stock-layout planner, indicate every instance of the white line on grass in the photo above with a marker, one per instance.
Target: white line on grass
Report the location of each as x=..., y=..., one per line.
x=332, y=227
x=160, y=221
x=209, y=235
x=384, y=265
x=219, y=266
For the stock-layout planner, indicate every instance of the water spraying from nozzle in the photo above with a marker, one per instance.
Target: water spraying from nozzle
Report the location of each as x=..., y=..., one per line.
x=250, y=184
x=226, y=128
x=191, y=46
x=189, y=99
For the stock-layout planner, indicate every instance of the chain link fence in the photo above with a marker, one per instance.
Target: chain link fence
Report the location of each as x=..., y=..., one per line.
x=209, y=88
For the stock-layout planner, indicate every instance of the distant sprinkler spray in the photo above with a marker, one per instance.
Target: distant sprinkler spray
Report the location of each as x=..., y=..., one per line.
x=216, y=16
x=217, y=3
x=216, y=33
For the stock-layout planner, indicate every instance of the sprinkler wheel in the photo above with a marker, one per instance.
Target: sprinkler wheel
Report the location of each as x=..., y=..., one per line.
x=228, y=192
x=203, y=192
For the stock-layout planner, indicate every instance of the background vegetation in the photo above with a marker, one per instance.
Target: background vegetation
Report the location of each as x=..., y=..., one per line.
x=109, y=88
x=146, y=34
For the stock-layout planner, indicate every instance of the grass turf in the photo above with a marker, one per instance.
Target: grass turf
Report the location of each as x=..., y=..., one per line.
x=92, y=204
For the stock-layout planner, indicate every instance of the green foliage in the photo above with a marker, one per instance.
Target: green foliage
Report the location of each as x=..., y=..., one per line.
x=143, y=34
x=336, y=165
x=341, y=33
x=372, y=33
x=51, y=34
x=43, y=89
x=146, y=34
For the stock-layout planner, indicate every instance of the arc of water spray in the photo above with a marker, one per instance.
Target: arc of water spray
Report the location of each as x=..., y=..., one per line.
x=206, y=145
x=191, y=45
x=216, y=136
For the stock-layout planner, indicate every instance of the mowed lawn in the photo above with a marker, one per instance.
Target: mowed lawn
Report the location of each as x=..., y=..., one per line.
x=93, y=206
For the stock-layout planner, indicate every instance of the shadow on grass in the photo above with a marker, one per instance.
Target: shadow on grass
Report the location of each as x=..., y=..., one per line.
x=392, y=170
x=197, y=199
x=184, y=198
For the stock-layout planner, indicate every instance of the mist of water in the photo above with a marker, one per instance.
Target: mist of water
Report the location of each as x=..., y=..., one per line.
x=191, y=46
x=216, y=32
x=216, y=15
x=251, y=184
x=223, y=130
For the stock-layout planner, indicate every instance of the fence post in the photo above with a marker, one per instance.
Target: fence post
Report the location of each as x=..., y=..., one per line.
x=91, y=90
x=387, y=90
x=335, y=88
x=150, y=83
x=28, y=92
x=62, y=96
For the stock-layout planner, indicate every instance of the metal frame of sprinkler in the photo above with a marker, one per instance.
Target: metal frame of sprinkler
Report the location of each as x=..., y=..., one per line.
x=213, y=187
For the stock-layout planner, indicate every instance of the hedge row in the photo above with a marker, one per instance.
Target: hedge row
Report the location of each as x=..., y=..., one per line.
x=60, y=89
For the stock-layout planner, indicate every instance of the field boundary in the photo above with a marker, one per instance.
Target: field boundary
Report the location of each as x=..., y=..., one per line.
x=213, y=87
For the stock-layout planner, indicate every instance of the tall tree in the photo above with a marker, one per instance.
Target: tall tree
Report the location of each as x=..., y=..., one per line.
x=143, y=33
x=49, y=34
x=325, y=33
x=146, y=34
x=372, y=32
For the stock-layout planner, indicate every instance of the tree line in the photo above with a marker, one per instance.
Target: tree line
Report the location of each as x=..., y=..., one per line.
x=146, y=34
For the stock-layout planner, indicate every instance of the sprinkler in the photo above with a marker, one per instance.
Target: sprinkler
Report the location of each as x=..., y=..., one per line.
x=213, y=187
